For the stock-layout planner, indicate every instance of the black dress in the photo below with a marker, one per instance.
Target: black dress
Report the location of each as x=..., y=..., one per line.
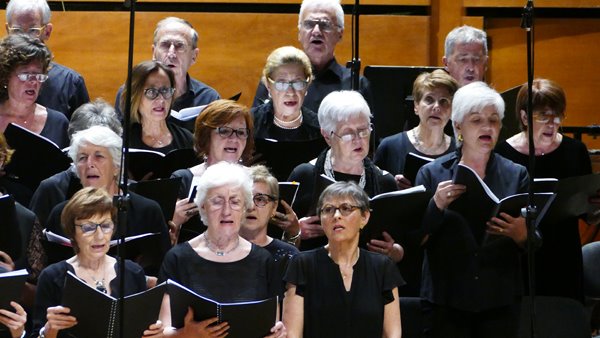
x=182, y=138
x=559, y=265
x=52, y=280
x=265, y=128
x=329, y=310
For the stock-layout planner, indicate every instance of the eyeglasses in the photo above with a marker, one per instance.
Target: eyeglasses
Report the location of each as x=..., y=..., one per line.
x=344, y=208
x=226, y=132
x=165, y=92
x=353, y=135
x=32, y=77
x=33, y=31
x=282, y=86
x=547, y=116
x=90, y=228
x=218, y=203
x=178, y=46
x=324, y=25
x=260, y=200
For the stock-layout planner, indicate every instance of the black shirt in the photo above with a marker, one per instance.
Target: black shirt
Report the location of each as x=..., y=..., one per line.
x=64, y=90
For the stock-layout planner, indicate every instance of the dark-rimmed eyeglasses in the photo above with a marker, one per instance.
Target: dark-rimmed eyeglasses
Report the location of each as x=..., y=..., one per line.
x=35, y=32
x=32, y=77
x=354, y=134
x=344, y=208
x=260, y=200
x=226, y=132
x=90, y=227
x=324, y=25
x=165, y=92
x=282, y=86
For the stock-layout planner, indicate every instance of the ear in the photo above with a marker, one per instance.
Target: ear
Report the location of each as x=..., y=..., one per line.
x=365, y=219
x=266, y=84
x=415, y=103
x=523, y=117
x=47, y=32
x=195, y=55
x=445, y=62
x=456, y=126
x=326, y=136
x=6, y=27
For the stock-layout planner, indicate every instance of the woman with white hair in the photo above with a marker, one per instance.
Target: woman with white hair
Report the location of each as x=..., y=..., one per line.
x=471, y=287
x=245, y=271
x=345, y=120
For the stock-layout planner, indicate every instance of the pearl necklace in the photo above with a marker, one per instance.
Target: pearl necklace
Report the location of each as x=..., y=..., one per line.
x=293, y=124
x=328, y=168
x=217, y=251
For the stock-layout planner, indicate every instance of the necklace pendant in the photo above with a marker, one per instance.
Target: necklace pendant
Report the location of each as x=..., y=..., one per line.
x=100, y=286
x=220, y=253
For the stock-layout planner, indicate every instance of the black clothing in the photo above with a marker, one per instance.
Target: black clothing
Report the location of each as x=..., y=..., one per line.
x=250, y=278
x=53, y=190
x=331, y=78
x=391, y=153
x=377, y=182
x=198, y=94
x=331, y=311
x=55, y=128
x=182, y=138
x=558, y=262
x=265, y=128
x=51, y=284
x=194, y=226
x=64, y=90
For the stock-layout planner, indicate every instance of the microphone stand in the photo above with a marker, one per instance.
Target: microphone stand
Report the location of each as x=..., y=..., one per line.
x=531, y=211
x=354, y=64
x=122, y=200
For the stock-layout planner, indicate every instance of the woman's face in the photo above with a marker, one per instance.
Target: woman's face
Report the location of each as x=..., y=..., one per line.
x=95, y=167
x=94, y=245
x=156, y=109
x=288, y=102
x=339, y=227
x=346, y=142
x=228, y=148
x=25, y=91
x=480, y=130
x=434, y=108
x=545, y=126
x=257, y=217
x=224, y=207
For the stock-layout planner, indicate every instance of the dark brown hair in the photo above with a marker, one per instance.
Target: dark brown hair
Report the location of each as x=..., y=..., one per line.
x=545, y=94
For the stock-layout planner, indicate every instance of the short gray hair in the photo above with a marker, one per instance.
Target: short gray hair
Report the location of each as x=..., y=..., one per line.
x=464, y=34
x=343, y=189
x=96, y=113
x=341, y=106
x=471, y=98
x=20, y=6
x=223, y=174
x=193, y=35
x=100, y=136
x=327, y=4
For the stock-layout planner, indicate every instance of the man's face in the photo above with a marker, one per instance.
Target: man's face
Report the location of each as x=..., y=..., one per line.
x=319, y=34
x=173, y=47
x=29, y=22
x=467, y=63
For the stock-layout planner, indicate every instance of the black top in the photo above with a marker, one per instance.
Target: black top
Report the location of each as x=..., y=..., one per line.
x=458, y=270
x=391, y=153
x=377, y=182
x=53, y=190
x=558, y=262
x=52, y=281
x=331, y=311
x=64, y=90
x=251, y=278
x=265, y=128
x=198, y=94
x=55, y=128
x=331, y=78
x=182, y=138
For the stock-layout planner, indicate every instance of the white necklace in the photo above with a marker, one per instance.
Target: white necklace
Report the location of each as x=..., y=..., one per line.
x=419, y=144
x=293, y=124
x=328, y=168
x=216, y=251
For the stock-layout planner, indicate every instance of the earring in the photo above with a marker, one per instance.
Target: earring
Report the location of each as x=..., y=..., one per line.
x=460, y=138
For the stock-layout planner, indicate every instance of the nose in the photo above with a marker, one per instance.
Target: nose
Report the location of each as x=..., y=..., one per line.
x=98, y=233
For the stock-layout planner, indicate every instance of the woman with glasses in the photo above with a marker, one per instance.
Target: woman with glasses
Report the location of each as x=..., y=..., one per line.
x=559, y=266
x=345, y=120
x=88, y=221
x=286, y=76
x=152, y=93
x=221, y=133
x=341, y=290
x=219, y=263
x=23, y=68
x=432, y=93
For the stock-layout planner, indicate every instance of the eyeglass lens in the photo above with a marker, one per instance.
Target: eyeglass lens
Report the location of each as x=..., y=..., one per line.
x=32, y=77
x=324, y=25
x=260, y=200
x=282, y=86
x=344, y=208
x=218, y=202
x=89, y=228
x=165, y=92
x=226, y=132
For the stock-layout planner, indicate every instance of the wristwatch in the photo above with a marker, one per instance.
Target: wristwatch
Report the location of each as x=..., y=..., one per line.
x=42, y=332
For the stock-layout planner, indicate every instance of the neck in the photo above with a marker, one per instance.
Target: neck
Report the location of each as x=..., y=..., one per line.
x=476, y=161
x=347, y=167
x=15, y=109
x=430, y=137
x=221, y=242
x=154, y=128
x=91, y=264
x=113, y=188
x=343, y=253
x=181, y=85
x=256, y=236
